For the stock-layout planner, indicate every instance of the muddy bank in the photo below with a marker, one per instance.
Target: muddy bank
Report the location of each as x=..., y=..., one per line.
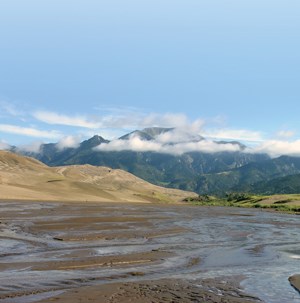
x=295, y=282
x=157, y=291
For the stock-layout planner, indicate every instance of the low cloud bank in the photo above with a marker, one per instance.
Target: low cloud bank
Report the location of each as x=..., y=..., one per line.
x=174, y=142
x=273, y=148
x=178, y=142
x=138, y=145
x=276, y=148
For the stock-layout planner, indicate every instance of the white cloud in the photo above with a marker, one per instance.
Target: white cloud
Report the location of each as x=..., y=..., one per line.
x=134, y=143
x=31, y=132
x=59, y=119
x=276, y=148
x=68, y=142
x=138, y=145
x=33, y=147
x=179, y=135
x=118, y=120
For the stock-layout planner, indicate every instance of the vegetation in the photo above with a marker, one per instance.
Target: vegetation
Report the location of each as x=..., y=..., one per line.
x=284, y=203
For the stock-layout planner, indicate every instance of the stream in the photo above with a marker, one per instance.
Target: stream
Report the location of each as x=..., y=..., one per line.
x=202, y=242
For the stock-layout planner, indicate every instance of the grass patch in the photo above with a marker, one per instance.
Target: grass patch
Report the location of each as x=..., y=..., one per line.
x=275, y=202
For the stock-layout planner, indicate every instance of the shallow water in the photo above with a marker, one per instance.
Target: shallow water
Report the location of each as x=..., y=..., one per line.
x=263, y=247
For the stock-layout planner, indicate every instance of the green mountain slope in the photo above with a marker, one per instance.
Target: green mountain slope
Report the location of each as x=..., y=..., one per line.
x=249, y=176
x=284, y=185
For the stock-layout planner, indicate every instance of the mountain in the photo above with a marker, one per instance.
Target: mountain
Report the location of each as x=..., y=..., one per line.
x=155, y=131
x=147, y=134
x=25, y=178
x=174, y=171
x=137, y=133
x=284, y=185
x=214, y=173
x=51, y=153
x=251, y=177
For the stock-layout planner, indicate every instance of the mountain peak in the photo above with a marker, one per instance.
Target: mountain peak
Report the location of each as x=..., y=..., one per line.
x=93, y=142
x=137, y=133
x=155, y=131
x=147, y=134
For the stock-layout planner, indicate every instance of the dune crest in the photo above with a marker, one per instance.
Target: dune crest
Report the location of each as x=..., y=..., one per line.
x=24, y=178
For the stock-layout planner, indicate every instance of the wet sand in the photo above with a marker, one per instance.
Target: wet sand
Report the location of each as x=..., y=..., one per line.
x=295, y=282
x=55, y=252
x=157, y=291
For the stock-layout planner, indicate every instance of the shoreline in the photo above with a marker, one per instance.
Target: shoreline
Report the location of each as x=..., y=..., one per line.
x=160, y=203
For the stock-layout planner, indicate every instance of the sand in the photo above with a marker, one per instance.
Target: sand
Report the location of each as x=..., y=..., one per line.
x=295, y=282
x=24, y=178
x=158, y=291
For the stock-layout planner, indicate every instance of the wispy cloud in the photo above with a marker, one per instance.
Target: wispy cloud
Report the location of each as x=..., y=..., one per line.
x=139, y=120
x=59, y=119
x=10, y=109
x=31, y=132
x=234, y=134
x=285, y=134
x=122, y=119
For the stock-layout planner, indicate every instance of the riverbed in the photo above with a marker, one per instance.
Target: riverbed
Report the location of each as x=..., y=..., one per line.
x=51, y=250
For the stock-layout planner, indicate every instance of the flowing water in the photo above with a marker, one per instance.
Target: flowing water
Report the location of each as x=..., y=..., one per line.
x=201, y=242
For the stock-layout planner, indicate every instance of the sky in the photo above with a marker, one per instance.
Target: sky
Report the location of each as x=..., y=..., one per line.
x=224, y=69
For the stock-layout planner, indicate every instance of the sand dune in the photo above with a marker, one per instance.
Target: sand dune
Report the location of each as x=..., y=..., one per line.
x=24, y=178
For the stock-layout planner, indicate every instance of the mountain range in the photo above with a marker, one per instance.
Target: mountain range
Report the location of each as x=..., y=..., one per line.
x=217, y=173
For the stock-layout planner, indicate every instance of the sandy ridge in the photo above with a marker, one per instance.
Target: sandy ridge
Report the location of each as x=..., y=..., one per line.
x=24, y=178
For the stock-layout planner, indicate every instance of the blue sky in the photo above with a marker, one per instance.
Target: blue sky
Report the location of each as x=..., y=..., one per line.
x=78, y=68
